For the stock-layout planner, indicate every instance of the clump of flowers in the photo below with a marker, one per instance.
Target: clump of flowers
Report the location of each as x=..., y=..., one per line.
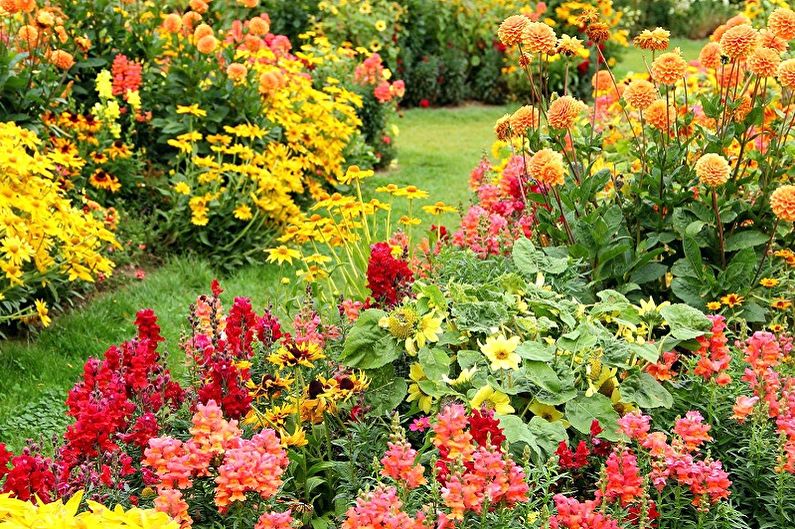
x=388, y=277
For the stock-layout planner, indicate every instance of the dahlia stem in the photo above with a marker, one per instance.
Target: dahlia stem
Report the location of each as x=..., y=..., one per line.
x=563, y=216
x=720, y=228
x=764, y=253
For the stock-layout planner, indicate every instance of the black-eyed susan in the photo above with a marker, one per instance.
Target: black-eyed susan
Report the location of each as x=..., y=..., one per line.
x=781, y=303
x=768, y=282
x=438, y=208
x=192, y=110
x=282, y=254
x=732, y=300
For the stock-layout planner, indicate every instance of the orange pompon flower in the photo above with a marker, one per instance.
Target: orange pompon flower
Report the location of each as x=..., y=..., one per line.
x=172, y=23
x=640, y=93
x=598, y=31
x=9, y=6
x=28, y=37
x=539, y=38
x=258, y=26
x=270, y=82
x=782, y=23
x=656, y=40
x=200, y=6
x=201, y=31
x=738, y=41
x=782, y=202
x=709, y=57
x=767, y=39
x=236, y=71
x=526, y=117
x=763, y=62
x=189, y=19
x=502, y=128
x=669, y=68
x=602, y=82
x=786, y=73
x=713, y=170
x=510, y=31
x=546, y=166
x=26, y=6
x=248, y=3
x=207, y=44
x=659, y=115
x=563, y=112
x=62, y=59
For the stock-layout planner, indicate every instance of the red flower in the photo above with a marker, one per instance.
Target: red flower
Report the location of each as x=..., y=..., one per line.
x=388, y=278
x=485, y=429
x=126, y=75
x=424, y=103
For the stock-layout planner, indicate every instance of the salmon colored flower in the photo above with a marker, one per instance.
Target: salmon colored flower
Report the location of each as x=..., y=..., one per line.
x=656, y=40
x=526, y=117
x=172, y=23
x=782, y=23
x=236, y=71
x=207, y=44
x=563, y=112
x=767, y=39
x=258, y=26
x=546, y=166
x=713, y=170
x=738, y=41
x=539, y=38
x=743, y=407
x=782, y=202
x=669, y=68
x=763, y=62
x=709, y=56
x=603, y=81
x=510, y=31
x=640, y=93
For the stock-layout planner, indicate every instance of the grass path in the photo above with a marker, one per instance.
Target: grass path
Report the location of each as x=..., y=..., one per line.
x=437, y=149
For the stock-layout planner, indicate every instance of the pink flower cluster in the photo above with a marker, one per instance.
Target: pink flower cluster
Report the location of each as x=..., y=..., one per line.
x=371, y=72
x=500, y=217
x=714, y=356
x=215, y=451
x=399, y=464
x=573, y=514
x=764, y=354
x=676, y=461
x=381, y=509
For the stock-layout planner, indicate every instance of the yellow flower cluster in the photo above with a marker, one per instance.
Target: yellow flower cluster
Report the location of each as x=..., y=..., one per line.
x=59, y=515
x=43, y=236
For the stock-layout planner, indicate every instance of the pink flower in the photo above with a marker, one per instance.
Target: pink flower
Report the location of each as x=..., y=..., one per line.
x=635, y=426
x=399, y=465
x=743, y=407
x=692, y=430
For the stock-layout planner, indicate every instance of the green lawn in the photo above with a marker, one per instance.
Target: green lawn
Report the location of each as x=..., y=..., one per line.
x=632, y=62
x=437, y=149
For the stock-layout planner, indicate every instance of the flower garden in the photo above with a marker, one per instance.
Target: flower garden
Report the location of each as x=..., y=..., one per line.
x=258, y=270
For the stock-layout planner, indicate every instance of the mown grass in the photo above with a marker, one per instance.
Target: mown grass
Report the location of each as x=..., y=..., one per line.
x=437, y=149
x=632, y=61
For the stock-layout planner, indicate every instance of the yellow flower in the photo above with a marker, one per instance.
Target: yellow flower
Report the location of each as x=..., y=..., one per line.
x=732, y=300
x=243, y=212
x=714, y=305
x=409, y=221
x=427, y=331
x=492, y=399
x=380, y=25
x=464, y=377
x=501, y=352
x=545, y=411
x=41, y=310
x=355, y=173
x=104, y=85
x=193, y=110
x=411, y=192
x=424, y=401
x=438, y=209
x=16, y=250
x=768, y=282
x=282, y=254
x=134, y=99
x=781, y=304
x=182, y=188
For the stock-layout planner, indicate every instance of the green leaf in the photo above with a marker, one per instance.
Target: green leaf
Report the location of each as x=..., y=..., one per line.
x=536, y=351
x=643, y=390
x=745, y=239
x=386, y=390
x=542, y=375
x=582, y=411
x=539, y=434
x=693, y=255
x=369, y=346
x=686, y=322
x=648, y=273
x=740, y=272
x=468, y=358
x=434, y=362
x=529, y=260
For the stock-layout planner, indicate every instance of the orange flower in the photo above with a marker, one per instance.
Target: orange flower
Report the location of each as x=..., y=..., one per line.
x=640, y=94
x=738, y=20
x=732, y=300
x=526, y=117
x=763, y=62
x=546, y=166
x=782, y=23
x=502, y=128
x=709, y=57
x=767, y=39
x=713, y=170
x=201, y=31
x=781, y=304
x=270, y=82
x=660, y=116
x=539, y=38
x=563, y=112
x=248, y=3
x=207, y=44
x=602, y=82
x=782, y=202
x=62, y=59
x=9, y=6
x=200, y=6
x=510, y=31
x=656, y=40
x=172, y=23
x=786, y=73
x=26, y=6
x=258, y=26
x=236, y=71
x=189, y=19
x=28, y=36
x=598, y=31
x=669, y=68
x=738, y=41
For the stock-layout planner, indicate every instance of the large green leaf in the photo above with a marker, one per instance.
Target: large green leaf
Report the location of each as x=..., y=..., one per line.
x=581, y=411
x=542, y=375
x=745, y=239
x=529, y=260
x=386, y=390
x=643, y=390
x=536, y=351
x=369, y=346
x=539, y=434
x=686, y=322
x=435, y=363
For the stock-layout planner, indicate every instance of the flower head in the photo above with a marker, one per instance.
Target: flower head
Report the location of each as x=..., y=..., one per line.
x=782, y=23
x=713, y=170
x=782, y=202
x=640, y=93
x=546, y=166
x=539, y=38
x=656, y=40
x=492, y=399
x=669, y=68
x=738, y=41
x=501, y=352
x=563, y=112
x=510, y=31
x=763, y=62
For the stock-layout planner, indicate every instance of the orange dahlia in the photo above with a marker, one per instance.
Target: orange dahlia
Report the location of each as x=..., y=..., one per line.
x=510, y=31
x=28, y=36
x=258, y=26
x=172, y=23
x=598, y=31
x=526, y=117
x=737, y=20
x=640, y=93
x=200, y=6
x=659, y=115
x=782, y=202
x=763, y=62
x=236, y=71
x=201, y=31
x=738, y=41
x=563, y=112
x=603, y=81
x=546, y=166
x=502, y=128
x=669, y=68
x=539, y=38
x=207, y=44
x=709, y=57
x=767, y=39
x=782, y=23
x=62, y=59
x=656, y=40
x=713, y=170
x=786, y=73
